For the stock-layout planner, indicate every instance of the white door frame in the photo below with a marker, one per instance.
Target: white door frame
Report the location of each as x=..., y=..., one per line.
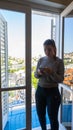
x=65, y=13
x=27, y=10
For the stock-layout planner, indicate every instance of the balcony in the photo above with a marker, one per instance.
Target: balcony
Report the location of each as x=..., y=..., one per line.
x=17, y=113
x=14, y=110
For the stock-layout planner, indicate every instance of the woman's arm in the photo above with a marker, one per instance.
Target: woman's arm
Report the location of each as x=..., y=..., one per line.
x=38, y=73
x=59, y=75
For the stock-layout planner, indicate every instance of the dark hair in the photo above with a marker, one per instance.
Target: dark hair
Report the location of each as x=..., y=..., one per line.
x=50, y=42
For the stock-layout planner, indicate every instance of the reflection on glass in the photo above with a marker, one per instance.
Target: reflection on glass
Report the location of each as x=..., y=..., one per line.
x=12, y=39
x=14, y=110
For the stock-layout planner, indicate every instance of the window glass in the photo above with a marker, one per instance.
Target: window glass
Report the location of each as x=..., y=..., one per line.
x=12, y=39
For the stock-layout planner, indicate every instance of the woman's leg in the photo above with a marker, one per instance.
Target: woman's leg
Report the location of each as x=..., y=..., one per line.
x=53, y=102
x=41, y=107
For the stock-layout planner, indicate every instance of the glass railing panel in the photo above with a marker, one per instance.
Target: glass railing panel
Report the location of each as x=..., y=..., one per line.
x=14, y=110
x=66, y=107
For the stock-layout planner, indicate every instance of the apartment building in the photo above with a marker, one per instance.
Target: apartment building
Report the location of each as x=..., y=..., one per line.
x=3, y=65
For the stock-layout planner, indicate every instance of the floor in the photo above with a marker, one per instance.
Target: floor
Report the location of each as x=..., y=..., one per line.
x=48, y=127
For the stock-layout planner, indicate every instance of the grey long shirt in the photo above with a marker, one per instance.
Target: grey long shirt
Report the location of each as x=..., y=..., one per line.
x=50, y=80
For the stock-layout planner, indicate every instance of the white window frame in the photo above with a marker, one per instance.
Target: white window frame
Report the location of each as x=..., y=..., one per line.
x=64, y=14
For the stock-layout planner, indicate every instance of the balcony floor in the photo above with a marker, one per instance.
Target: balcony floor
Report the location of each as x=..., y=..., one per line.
x=48, y=127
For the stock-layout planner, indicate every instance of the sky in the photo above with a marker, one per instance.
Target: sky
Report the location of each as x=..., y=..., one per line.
x=68, y=35
x=41, y=27
x=41, y=30
x=16, y=33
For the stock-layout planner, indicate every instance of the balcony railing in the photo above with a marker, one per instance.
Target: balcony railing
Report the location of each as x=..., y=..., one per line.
x=66, y=113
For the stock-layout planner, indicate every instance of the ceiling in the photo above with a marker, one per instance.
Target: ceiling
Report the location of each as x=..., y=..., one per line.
x=54, y=5
x=57, y=4
x=63, y=2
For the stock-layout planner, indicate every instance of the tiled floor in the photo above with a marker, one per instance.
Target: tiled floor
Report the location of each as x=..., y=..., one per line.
x=48, y=128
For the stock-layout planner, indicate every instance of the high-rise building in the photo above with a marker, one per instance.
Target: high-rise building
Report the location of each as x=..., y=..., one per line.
x=4, y=67
x=53, y=29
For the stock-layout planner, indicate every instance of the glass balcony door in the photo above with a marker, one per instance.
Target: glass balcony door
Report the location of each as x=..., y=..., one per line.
x=67, y=52
x=68, y=75
x=15, y=72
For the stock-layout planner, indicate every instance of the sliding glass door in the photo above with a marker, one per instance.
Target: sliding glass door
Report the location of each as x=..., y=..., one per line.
x=68, y=76
x=18, y=61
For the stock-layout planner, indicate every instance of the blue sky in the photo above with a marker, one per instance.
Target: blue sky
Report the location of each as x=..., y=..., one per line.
x=41, y=28
x=16, y=33
x=68, y=35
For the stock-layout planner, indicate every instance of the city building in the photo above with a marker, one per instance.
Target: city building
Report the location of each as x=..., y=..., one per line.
x=3, y=67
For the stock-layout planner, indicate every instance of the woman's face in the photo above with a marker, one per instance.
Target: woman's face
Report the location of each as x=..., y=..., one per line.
x=49, y=51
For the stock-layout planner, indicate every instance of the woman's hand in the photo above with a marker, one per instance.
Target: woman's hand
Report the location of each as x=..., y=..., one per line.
x=40, y=72
x=47, y=70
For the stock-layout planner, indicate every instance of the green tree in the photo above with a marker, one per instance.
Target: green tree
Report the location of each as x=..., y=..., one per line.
x=34, y=81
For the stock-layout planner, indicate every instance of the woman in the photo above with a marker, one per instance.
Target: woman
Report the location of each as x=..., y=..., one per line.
x=50, y=72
